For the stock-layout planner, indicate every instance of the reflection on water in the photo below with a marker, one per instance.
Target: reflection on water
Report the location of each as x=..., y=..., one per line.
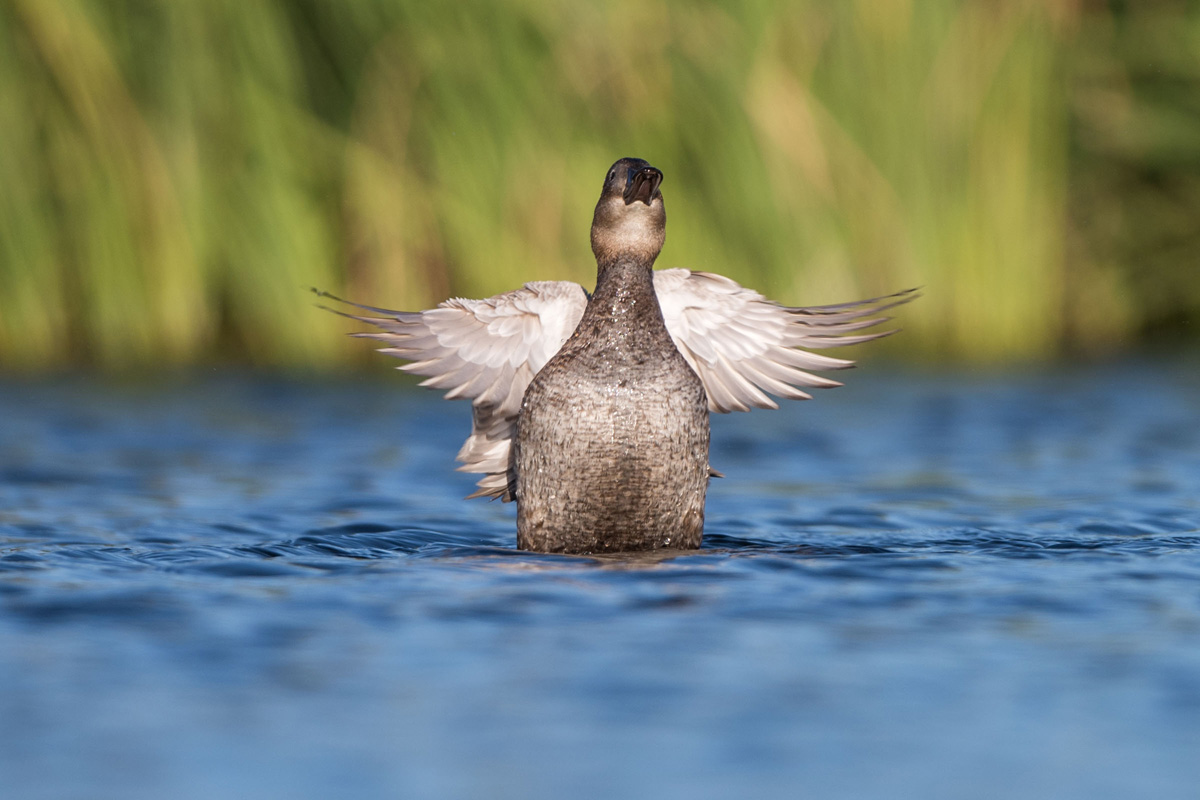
x=915, y=586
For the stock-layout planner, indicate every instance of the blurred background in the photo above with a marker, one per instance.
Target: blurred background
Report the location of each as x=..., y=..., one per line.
x=174, y=176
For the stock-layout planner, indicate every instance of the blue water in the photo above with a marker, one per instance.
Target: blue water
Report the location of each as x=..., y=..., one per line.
x=917, y=586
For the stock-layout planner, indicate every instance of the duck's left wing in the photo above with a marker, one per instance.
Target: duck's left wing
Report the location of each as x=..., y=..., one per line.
x=745, y=347
x=485, y=350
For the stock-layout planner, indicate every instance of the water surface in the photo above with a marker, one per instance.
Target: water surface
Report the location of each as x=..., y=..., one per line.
x=925, y=586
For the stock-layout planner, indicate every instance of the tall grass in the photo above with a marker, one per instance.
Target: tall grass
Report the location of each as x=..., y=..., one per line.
x=174, y=175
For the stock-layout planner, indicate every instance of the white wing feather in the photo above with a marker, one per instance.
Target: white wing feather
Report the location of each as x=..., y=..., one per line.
x=485, y=350
x=744, y=346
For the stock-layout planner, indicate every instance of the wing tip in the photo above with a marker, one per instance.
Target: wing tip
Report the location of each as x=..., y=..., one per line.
x=321, y=293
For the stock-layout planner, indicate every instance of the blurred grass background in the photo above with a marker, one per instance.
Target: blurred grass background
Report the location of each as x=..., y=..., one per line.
x=175, y=174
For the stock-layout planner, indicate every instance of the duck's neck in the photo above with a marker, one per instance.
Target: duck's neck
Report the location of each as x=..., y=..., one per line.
x=623, y=317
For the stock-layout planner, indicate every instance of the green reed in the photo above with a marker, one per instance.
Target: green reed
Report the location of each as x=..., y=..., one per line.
x=175, y=175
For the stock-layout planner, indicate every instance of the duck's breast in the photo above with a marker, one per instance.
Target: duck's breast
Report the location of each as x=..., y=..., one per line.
x=612, y=454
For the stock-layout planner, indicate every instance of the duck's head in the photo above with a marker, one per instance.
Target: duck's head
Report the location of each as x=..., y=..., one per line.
x=630, y=220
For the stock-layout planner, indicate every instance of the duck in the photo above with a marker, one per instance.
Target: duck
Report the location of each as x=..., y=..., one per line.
x=591, y=410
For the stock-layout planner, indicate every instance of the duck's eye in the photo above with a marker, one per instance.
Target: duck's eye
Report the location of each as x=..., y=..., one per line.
x=612, y=174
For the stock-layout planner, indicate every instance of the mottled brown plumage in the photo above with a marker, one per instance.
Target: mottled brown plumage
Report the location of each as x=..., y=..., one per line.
x=612, y=439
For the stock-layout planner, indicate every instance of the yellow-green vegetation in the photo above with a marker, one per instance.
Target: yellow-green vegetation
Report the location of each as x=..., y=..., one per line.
x=175, y=175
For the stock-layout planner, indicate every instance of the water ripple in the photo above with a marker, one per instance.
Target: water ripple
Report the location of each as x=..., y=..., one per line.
x=985, y=577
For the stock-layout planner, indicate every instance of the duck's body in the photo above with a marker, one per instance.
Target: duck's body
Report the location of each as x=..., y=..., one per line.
x=612, y=438
x=592, y=413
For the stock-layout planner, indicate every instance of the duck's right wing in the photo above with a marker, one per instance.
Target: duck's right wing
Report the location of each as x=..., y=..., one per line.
x=745, y=347
x=486, y=350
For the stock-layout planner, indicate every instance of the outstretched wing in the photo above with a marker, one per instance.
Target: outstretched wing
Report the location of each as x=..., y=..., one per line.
x=486, y=350
x=744, y=346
